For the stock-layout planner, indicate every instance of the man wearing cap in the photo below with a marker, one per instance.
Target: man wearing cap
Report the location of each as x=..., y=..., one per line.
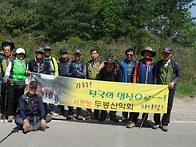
x=167, y=72
x=143, y=74
x=54, y=71
x=76, y=69
x=53, y=62
x=7, y=47
x=109, y=73
x=39, y=64
x=62, y=63
x=16, y=72
x=32, y=114
x=127, y=67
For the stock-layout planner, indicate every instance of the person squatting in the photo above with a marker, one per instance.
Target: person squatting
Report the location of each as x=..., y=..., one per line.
x=28, y=109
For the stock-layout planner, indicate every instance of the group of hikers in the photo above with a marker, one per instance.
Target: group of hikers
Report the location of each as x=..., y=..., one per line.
x=30, y=112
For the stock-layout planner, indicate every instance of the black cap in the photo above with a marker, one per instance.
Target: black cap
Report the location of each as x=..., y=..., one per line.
x=110, y=60
x=167, y=50
x=47, y=48
x=10, y=42
x=33, y=84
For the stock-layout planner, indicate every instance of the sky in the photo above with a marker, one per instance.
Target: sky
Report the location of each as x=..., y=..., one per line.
x=193, y=10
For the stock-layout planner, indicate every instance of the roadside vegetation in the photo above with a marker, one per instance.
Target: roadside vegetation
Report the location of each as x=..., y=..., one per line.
x=109, y=26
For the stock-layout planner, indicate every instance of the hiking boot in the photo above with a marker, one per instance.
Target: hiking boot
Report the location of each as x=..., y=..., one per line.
x=79, y=117
x=88, y=117
x=156, y=126
x=102, y=119
x=30, y=129
x=70, y=117
x=10, y=118
x=131, y=125
x=53, y=113
x=146, y=123
x=114, y=119
x=164, y=128
x=124, y=119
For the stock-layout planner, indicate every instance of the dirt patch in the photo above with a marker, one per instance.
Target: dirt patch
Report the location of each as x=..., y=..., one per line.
x=184, y=109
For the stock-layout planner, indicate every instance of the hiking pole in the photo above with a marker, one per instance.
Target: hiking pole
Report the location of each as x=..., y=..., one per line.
x=13, y=131
x=143, y=120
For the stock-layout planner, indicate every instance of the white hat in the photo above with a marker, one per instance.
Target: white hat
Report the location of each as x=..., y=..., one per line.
x=20, y=50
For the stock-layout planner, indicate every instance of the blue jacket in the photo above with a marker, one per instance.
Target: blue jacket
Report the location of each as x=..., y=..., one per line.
x=31, y=106
x=76, y=69
x=44, y=66
x=145, y=73
x=123, y=67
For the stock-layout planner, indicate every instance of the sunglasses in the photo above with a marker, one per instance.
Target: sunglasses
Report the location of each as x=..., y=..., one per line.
x=129, y=55
x=20, y=54
x=40, y=53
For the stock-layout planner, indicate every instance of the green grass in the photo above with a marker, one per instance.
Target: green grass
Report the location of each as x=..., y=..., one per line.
x=186, y=89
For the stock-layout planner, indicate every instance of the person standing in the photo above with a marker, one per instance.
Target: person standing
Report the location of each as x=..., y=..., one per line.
x=76, y=69
x=62, y=64
x=39, y=64
x=54, y=71
x=127, y=68
x=32, y=114
x=16, y=75
x=143, y=74
x=92, y=72
x=53, y=62
x=167, y=72
x=7, y=47
x=109, y=73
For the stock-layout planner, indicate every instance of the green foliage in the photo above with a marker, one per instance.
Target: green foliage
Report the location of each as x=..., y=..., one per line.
x=186, y=89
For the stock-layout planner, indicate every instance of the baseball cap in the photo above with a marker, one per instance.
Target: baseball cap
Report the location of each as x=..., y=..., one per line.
x=77, y=52
x=110, y=60
x=167, y=50
x=47, y=48
x=39, y=49
x=63, y=50
x=20, y=50
x=32, y=84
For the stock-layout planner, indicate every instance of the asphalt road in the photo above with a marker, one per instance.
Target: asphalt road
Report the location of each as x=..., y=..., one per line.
x=63, y=133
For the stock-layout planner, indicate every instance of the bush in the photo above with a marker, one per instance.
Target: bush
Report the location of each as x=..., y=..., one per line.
x=186, y=89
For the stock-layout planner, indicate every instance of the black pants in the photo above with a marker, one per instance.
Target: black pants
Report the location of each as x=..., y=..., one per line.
x=135, y=116
x=71, y=111
x=48, y=107
x=104, y=114
x=166, y=116
x=36, y=125
x=125, y=114
x=3, y=96
x=13, y=99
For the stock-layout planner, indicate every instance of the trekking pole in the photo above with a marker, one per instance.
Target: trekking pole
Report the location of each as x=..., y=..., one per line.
x=143, y=120
x=13, y=131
